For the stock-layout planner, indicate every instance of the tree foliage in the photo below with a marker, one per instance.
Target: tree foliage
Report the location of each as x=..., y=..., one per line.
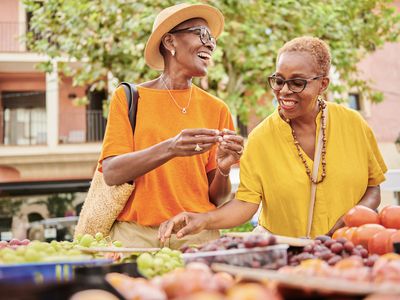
x=110, y=35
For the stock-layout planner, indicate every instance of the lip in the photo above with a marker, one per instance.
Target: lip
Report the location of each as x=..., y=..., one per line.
x=285, y=107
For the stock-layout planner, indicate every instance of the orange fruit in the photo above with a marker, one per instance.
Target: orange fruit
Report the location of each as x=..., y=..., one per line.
x=360, y=215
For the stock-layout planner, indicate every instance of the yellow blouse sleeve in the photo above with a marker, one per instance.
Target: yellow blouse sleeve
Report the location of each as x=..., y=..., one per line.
x=250, y=187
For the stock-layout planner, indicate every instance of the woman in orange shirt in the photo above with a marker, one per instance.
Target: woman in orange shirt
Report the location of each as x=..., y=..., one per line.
x=184, y=142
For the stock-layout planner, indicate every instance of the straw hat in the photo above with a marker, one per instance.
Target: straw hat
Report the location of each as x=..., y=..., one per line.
x=171, y=17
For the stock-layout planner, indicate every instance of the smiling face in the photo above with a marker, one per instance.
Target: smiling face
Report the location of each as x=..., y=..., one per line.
x=192, y=56
x=299, y=64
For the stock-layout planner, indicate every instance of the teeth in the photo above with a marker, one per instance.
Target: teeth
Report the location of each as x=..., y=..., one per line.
x=204, y=55
x=288, y=103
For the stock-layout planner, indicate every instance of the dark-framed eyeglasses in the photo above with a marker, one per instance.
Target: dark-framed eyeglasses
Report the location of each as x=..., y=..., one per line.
x=201, y=31
x=296, y=85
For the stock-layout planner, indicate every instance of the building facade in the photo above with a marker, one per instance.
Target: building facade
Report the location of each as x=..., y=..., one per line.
x=43, y=135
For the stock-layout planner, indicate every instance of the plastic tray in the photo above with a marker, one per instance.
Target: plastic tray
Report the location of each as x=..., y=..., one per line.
x=270, y=257
x=45, y=272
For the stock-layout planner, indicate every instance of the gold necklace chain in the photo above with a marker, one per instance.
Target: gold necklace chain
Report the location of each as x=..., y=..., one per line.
x=183, y=109
x=322, y=106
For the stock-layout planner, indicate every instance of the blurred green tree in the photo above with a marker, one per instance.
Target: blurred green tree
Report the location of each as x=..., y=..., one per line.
x=108, y=36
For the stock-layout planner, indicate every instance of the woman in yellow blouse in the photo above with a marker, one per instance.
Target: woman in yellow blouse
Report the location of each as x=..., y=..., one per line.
x=276, y=166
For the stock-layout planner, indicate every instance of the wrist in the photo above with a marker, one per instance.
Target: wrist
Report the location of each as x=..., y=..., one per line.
x=170, y=148
x=208, y=220
x=223, y=172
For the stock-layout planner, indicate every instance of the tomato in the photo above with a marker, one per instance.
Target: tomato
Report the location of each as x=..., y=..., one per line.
x=339, y=233
x=348, y=235
x=364, y=233
x=379, y=243
x=394, y=238
x=389, y=216
x=360, y=215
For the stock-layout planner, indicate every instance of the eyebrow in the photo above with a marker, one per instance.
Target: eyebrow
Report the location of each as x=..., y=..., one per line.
x=295, y=75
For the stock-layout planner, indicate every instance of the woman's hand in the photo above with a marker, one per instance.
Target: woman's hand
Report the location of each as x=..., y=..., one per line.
x=194, y=141
x=229, y=151
x=339, y=224
x=182, y=224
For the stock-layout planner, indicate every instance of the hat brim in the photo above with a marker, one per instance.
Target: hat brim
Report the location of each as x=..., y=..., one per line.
x=211, y=15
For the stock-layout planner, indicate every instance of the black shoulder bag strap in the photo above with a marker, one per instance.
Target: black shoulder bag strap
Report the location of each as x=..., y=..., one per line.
x=132, y=97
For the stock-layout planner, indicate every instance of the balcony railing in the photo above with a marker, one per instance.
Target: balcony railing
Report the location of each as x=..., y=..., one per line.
x=10, y=37
x=25, y=127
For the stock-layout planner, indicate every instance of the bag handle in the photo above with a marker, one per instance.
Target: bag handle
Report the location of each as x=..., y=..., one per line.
x=132, y=97
x=317, y=159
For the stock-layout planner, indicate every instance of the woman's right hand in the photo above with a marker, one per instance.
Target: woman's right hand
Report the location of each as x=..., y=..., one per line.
x=183, y=224
x=194, y=141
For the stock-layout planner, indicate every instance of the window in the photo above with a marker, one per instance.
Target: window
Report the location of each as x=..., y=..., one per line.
x=354, y=101
x=24, y=118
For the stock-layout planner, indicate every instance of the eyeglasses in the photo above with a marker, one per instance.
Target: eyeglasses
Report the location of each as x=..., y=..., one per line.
x=296, y=85
x=201, y=31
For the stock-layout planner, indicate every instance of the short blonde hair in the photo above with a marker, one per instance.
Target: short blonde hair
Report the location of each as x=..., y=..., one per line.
x=316, y=47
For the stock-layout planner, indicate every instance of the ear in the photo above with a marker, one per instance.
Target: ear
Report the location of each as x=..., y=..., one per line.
x=168, y=40
x=324, y=84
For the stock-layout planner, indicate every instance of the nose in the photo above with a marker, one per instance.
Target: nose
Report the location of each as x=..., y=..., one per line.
x=210, y=45
x=285, y=89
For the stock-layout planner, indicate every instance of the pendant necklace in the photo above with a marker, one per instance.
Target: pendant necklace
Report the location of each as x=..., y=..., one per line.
x=183, y=109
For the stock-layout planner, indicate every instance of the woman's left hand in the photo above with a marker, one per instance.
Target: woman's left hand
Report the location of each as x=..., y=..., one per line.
x=230, y=149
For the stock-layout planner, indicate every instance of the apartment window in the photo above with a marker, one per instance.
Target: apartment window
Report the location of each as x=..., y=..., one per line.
x=24, y=118
x=354, y=101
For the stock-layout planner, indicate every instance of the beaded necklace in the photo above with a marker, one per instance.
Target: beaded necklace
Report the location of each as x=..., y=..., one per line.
x=322, y=106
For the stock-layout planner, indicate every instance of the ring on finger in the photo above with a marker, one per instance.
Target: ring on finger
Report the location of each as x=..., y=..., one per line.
x=198, y=148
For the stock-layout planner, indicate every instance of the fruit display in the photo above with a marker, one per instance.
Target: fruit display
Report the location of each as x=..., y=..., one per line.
x=374, y=231
x=37, y=251
x=360, y=215
x=331, y=251
x=164, y=261
x=26, y=251
x=98, y=240
x=256, y=251
x=14, y=243
x=195, y=282
x=386, y=269
x=389, y=216
x=227, y=242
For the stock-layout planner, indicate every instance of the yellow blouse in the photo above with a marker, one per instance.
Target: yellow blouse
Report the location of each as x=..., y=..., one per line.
x=272, y=172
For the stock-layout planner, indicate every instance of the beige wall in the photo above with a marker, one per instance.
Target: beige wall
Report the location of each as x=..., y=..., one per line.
x=72, y=118
x=10, y=27
x=22, y=82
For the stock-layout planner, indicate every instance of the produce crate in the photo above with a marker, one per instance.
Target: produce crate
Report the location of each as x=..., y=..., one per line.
x=45, y=272
x=270, y=257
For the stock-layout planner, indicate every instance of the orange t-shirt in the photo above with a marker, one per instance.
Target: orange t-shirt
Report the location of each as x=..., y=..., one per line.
x=181, y=183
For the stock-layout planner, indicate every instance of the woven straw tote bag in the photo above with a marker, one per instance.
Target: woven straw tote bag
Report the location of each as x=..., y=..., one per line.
x=104, y=203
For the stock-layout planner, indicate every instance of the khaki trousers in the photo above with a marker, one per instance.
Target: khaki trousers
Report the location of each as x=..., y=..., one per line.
x=137, y=236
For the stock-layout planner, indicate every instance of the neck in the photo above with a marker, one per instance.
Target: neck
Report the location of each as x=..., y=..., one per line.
x=176, y=81
x=307, y=119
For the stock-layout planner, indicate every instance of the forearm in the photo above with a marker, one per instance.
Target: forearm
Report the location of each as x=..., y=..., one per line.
x=220, y=187
x=232, y=214
x=371, y=197
x=127, y=167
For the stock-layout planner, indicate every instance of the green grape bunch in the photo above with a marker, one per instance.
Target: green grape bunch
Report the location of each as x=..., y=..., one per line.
x=164, y=261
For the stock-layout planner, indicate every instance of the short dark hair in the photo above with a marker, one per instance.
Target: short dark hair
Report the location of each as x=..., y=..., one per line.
x=316, y=47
